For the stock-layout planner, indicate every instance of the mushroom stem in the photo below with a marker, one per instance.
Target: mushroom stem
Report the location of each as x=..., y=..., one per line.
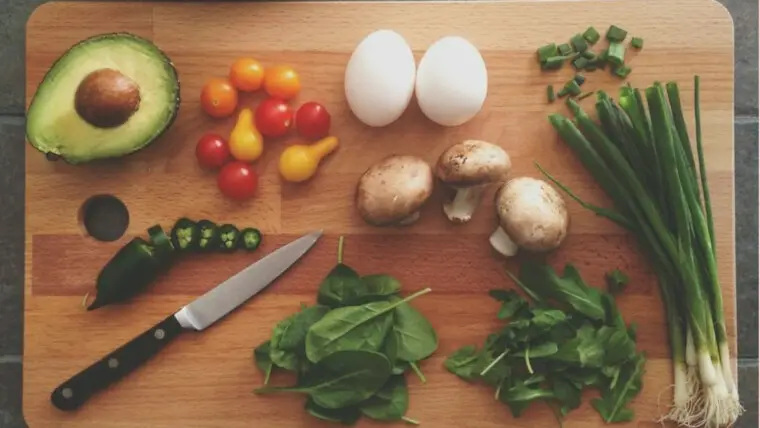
x=502, y=243
x=462, y=206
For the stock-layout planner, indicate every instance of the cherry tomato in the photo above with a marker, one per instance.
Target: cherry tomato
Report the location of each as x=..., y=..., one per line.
x=273, y=117
x=219, y=98
x=212, y=151
x=247, y=74
x=312, y=120
x=237, y=180
x=282, y=82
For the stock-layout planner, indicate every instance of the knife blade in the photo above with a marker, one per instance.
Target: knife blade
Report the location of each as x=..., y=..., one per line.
x=197, y=315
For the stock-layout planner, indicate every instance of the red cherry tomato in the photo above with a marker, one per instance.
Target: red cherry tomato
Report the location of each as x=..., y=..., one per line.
x=273, y=117
x=312, y=121
x=237, y=180
x=212, y=151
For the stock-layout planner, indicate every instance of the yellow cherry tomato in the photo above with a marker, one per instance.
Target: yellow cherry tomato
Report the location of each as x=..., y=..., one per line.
x=299, y=162
x=246, y=143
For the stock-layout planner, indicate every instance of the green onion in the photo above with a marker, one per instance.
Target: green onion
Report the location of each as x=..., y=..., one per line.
x=623, y=71
x=565, y=49
x=572, y=88
x=579, y=43
x=550, y=93
x=616, y=34
x=588, y=55
x=591, y=35
x=637, y=43
x=579, y=78
x=580, y=63
x=639, y=153
x=616, y=53
x=585, y=95
x=553, y=63
x=545, y=52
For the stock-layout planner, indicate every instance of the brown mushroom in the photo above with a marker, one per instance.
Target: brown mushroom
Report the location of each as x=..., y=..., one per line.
x=106, y=98
x=532, y=216
x=392, y=191
x=467, y=169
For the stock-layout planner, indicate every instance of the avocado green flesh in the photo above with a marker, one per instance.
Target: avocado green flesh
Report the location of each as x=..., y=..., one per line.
x=53, y=125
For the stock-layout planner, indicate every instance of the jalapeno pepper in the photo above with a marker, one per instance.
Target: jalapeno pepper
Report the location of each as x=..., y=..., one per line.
x=229, y=236
x=250, y=238
x=127, y=273
x=185, y=235
x=209, y=235
x=161, y=243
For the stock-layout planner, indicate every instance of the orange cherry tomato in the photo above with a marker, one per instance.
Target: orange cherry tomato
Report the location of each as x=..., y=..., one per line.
x=282, y=82
x=247, y=74
x=219, y=98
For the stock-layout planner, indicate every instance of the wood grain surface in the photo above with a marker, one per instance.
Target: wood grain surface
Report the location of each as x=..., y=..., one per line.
x=206, y=379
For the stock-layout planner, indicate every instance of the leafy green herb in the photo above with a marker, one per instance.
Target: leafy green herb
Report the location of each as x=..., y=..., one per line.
x=344, y=415
x=616, y=281
x=263, y=361
x=352, y=349
x=570, y=337
x=343, y=378
x=390, y=403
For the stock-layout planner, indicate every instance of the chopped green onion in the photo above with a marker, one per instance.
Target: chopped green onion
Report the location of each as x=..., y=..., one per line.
x=623, y=71
x=591, y=35
x=565, y=49
x=554, y=63
x=580, y=63
x=616, y=53
x=545, y=52
x=550, y=93
x=578, y=43
x=588, y=55
x=579, y=78
x=572, y=88
x=616, y=34
x=637, y=43
x=591, y=66
x=585, y=95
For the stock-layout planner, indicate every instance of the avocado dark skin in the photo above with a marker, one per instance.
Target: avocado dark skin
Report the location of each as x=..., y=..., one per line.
x=107, y=98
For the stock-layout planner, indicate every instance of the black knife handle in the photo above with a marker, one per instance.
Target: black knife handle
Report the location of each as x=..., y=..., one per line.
x=71, y=394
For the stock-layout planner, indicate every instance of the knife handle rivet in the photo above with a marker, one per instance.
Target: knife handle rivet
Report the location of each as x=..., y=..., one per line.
x=113, y=363
x=159, y=334
x=67, y=393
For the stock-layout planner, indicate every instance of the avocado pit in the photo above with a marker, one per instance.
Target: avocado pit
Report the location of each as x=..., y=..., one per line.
x=106, y=98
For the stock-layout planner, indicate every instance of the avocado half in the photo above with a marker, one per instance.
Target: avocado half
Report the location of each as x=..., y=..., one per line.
x=108, y=96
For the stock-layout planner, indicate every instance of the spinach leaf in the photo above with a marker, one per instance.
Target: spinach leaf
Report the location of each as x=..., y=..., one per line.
x=520, y=396
x=568, y=289
x=511, y=303
x=462, y=362
x=338, y=287
x=613, y=401
x=616, y=281
x=263, y=362
x=415, y=337
x=361, y=327
x=567, y=394
x=375, y=287
x=345, y=415
x=390, y=403
x=390, y=349
x=343, y=378
x=288, y=337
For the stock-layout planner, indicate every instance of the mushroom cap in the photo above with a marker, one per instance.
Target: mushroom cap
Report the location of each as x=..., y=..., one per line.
x=533, y=213
x=471, y=163
x=393, y=189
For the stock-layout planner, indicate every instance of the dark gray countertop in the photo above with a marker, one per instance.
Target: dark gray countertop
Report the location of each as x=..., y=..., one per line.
x=13, y=16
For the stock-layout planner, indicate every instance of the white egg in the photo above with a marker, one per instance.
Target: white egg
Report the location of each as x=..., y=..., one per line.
x=452, y=81
x=379, y=80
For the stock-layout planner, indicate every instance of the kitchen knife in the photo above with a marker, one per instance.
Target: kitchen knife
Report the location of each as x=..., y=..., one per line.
x=197, y=315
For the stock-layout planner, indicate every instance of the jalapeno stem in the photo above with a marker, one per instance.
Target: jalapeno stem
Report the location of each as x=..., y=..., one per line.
x=340, y=249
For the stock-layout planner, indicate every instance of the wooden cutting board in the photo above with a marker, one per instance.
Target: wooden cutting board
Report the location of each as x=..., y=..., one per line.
x=206, y=380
